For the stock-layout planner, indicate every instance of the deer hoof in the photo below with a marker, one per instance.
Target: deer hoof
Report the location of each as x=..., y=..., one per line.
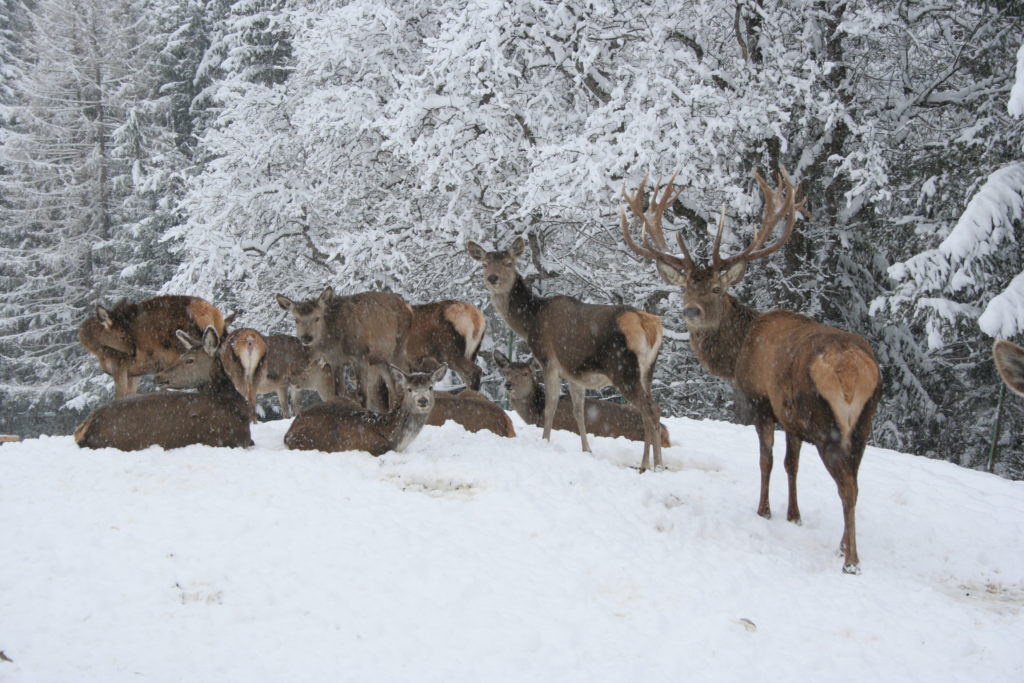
x=765, y=512
x=851, y=569
x=795, y=519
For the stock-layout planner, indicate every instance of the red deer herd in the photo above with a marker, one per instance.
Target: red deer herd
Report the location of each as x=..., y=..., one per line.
x=818, y=383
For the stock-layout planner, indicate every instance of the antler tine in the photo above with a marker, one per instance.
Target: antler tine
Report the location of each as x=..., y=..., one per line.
x=716, y=259
x=785, y=195
x=653, y=237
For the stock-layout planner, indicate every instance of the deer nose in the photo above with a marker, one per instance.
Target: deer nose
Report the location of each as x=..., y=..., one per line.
x=306, y=339
x=493, y=279
x=508, y=386
x=691, y=312
x=422, y=402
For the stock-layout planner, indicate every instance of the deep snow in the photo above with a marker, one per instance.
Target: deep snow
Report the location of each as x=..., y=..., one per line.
x=476, y=558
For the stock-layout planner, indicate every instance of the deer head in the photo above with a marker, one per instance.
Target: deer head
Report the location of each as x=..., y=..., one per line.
x=310, y=321
x=196, y=365
x=705, y=288
x=499, y=266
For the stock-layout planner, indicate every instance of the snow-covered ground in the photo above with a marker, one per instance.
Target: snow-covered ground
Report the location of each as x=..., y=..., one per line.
x=476, y=558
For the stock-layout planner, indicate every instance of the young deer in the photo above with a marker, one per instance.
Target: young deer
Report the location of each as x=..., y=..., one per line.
x=472, y=410
x=591, y=345
x=133, y=339
x=1009, y=360
x=366, y=331
x=819, y=383
x=604, y=418
x=216, y=415
x=446, y=332
x=340, y=426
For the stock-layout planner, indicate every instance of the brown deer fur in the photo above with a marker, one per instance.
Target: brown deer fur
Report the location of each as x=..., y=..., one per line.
x=472, y=410
x=134, y=339
x=366, y=331
x=446, y=332
x=1009, y=359
x=604, y=418
x=821, y=384
x=340, y=426
x=590, y=345
x=216, y=415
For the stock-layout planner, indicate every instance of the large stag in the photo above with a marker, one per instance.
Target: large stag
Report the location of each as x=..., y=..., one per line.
x=134, y=339
x=366, y=331
x=590, y=345
x=819, y=383
x=1009, y=360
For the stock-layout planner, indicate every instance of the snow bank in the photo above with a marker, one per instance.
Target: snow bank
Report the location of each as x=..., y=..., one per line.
x=476, y=558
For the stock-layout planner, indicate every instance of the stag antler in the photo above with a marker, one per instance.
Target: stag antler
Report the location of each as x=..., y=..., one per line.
x=779, y=203
x=654, y=246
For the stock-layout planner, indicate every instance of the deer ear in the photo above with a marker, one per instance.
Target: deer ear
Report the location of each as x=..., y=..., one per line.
x=517, y=247
x=536, y=366
x=284, y=302
x=231, y=319
x=733, y=274
x=104, y=317
x=500, y=359
x=476, y=252
x=399, y=376
x=670, y=274
x=438, y=374
x=326, y=295
x=211, y=340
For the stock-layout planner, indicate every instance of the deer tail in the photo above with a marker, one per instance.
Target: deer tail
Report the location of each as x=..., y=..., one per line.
x=846, y=378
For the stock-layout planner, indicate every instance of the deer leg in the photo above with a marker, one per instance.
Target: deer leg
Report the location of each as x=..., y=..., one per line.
x=766, y=438
x=552, y=388
x=133, y=385
x=841, y=465
x=282, y=399
x=122, y=382
x=578, y=394
x=469, y=371
x=792, y=463
x=650, y=413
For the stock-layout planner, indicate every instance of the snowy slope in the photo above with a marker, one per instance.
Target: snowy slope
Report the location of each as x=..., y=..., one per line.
x=475, y=558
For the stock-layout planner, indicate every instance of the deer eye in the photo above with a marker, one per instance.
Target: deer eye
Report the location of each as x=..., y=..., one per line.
x=717, y=289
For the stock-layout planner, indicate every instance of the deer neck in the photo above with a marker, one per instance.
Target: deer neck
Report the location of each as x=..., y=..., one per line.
x=718, y=347
x=530, y=408
x=518, y=306
x=405, y=426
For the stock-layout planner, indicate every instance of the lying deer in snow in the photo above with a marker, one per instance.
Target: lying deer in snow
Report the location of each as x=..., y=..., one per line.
x=215, y=415
x=604, y=418
x=472, y=410
x=341, y=426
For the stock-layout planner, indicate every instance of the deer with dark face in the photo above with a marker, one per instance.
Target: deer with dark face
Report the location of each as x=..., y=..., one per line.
x=820, y=383
x=446, y=332
x=590, y=345
x=135, y=339
x=365, y=331
x=342, y=426
x=1009, y=359
x=215, y=415
x=604, y=418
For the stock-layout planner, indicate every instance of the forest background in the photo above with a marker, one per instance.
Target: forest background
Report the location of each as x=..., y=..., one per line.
x=235, y=150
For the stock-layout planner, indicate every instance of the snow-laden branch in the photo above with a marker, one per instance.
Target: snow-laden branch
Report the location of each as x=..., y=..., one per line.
x=1004, y=315
x=1016, y=103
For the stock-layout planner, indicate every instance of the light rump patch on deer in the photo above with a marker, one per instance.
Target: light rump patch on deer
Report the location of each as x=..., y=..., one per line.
x=604, y=418
x=590, y=345
x=821, y=384
x=135, y=339
x=215, y=415
x=473, y=411
x=1009, y=360
x=366, y=331
x=340, y=426
x=446, y=332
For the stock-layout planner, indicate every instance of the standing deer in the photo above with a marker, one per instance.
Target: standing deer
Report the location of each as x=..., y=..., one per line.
x=134, y=339
x=473, y=411
x=821, y=384
x=261, y=365
x=1009, y=360
x=366, y=331
x=591, y=345
x=604, y=418
x=341, y=426
x=446, y=332
x=216, y=415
